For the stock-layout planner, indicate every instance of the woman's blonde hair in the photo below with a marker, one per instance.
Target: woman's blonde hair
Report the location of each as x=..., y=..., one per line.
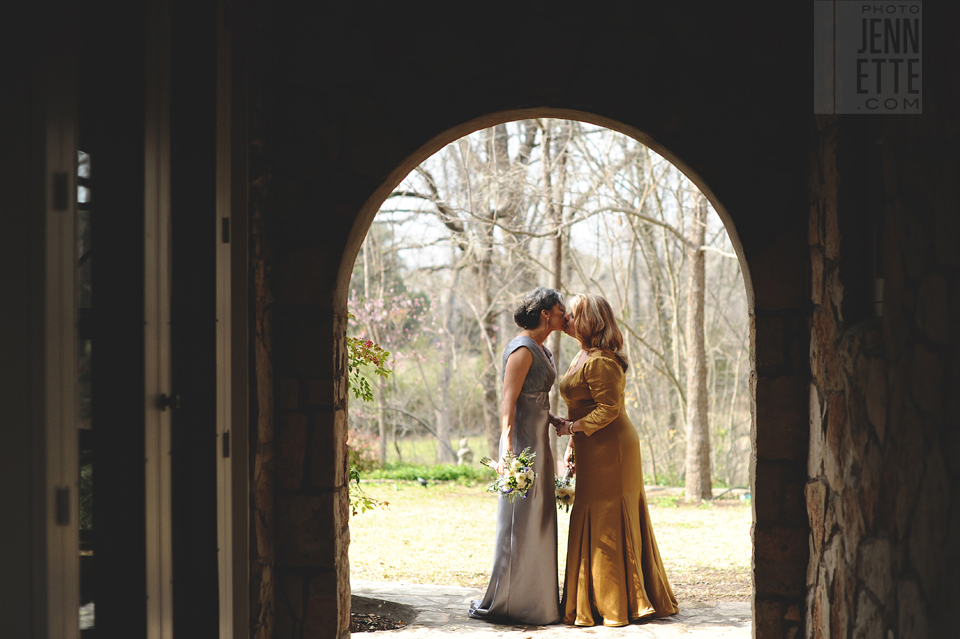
x=596, y=326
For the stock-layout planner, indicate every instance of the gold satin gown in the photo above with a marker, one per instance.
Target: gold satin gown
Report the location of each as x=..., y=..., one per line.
x=614, y=572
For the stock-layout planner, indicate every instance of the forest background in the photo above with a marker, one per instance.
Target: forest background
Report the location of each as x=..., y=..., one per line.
x=582, y=209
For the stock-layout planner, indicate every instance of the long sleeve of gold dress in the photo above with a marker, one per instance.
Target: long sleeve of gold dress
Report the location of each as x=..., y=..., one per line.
x=614, y=573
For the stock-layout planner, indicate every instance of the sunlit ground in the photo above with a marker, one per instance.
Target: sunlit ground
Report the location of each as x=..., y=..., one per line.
x=444, y=534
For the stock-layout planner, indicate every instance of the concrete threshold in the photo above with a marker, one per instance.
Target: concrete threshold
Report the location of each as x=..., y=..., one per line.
x=442, y=611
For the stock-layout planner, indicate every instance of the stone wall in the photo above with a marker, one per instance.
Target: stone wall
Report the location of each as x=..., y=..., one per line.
x=779, y=433
x=882, y=488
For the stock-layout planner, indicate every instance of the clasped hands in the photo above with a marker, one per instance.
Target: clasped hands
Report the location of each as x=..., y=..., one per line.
x=561, y=425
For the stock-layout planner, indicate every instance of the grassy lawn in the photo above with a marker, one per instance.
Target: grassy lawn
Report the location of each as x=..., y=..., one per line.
x=423, y=450
x=444, y=534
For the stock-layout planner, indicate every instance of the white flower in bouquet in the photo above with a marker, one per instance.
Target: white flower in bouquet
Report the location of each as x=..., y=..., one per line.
x=517, y=477
x=566, y=490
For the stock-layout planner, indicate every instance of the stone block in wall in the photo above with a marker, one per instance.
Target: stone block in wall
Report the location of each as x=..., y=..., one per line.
x=831, y=226
x=323, y=607
x=781, y=560
x=837, y=445
x=824, y=354
x=306, y=530
x=907, y=458
x=289, y=394
x=819, y=606
x=303, y=276
x=768, y=491
x=792, y=614
x=842, y=601
x=816, y=276
x=875, y=568
x=876, y=397
x=768, y=618
x=869, y=619
x=778, y=273
x=852, y=523
x=794, y=503
x=778, y=492
x=289, y=607
x=871, y=485
x=782, y=417
x=911, y=611
x=815, y=445
x=832, y=557
x=343, y=562
x=291, y=450
x=314, y=355
x=328, y=449
x=930, y=523
x=814, y=232
x=816, y=495
x=320, y=392
x=769, y=344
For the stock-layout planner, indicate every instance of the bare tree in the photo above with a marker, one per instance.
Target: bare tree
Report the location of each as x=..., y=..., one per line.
x=580, y=208
x=698, y=484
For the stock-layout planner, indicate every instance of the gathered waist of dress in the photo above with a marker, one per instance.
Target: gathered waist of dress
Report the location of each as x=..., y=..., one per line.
x=541, y=397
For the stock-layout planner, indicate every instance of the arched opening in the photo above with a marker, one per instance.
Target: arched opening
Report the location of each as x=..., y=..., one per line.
x=299, y=342
x=396, y=187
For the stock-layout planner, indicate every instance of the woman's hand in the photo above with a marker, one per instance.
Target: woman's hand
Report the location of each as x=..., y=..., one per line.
x=563, y=427
x=501, y=467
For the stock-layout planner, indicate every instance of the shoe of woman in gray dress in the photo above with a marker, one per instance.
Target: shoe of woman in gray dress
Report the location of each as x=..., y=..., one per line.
x=523, y=583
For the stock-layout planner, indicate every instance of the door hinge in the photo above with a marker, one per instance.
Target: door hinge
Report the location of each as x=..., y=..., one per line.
x=224, y=230
x=226, y=443
x=168, y=401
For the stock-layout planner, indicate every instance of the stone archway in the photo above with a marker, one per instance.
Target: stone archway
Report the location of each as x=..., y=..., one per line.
x=308, y=487
x=332, y=135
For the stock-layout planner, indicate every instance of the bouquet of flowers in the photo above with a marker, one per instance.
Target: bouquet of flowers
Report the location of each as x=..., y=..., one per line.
x=517, y=477
x=566, y=490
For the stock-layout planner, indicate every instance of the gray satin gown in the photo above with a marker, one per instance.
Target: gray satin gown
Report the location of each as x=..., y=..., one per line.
x=524, y=585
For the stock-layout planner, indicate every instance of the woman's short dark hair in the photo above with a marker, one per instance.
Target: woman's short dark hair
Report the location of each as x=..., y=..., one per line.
x=539, y=299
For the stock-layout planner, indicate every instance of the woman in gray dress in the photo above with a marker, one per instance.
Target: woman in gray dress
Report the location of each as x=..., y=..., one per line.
x=524, y=581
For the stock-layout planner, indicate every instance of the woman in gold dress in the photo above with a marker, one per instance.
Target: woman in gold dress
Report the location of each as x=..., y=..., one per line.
x=614, y=572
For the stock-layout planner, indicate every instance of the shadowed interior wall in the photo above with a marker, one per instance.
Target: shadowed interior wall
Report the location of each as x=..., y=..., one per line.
x=883, y=492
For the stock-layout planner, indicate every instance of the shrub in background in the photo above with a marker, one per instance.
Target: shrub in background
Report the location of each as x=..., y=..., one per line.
x=364, y=450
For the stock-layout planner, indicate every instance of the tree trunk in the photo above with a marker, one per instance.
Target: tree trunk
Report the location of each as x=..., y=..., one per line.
x=698, y=485
x=552, y=216
x=381, y=421
x=488, y=324
x=445, y=454
x=381, y=385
